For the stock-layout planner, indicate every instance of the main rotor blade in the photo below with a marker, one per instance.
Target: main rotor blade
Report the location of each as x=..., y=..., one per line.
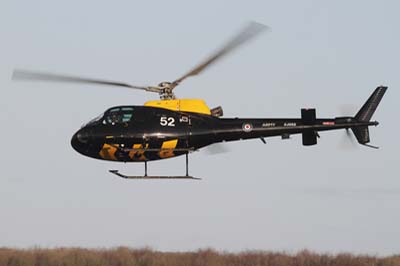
x=40, y=76
x=250, y=31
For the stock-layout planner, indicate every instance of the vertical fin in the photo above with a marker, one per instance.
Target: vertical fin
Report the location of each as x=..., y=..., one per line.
x=369, y=108
x=365, y=114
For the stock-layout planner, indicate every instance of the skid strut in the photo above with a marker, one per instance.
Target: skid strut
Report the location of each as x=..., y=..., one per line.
x=187, y=164
x=187, y=176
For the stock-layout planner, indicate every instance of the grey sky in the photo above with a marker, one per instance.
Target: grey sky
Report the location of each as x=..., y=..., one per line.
x=279, y=196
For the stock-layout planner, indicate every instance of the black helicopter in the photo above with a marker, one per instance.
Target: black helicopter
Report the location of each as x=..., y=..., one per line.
x=172, y=127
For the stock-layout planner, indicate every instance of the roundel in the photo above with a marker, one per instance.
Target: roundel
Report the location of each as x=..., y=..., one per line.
x=247, y=127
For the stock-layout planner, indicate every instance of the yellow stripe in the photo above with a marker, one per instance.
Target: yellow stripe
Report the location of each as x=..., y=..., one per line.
x=170, y=144
x=138, y=155
x=107, y=152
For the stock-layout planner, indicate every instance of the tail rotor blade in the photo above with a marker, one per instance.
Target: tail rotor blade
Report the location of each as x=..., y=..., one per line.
x=348, y=142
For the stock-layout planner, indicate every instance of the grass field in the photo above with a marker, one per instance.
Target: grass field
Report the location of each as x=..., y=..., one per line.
x=143, y=257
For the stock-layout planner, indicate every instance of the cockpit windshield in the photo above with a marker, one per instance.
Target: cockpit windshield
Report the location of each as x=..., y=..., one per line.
x=118, y=115
x=95, y=120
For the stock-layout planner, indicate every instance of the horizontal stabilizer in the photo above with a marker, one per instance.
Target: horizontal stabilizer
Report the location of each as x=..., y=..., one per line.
x=308, y=117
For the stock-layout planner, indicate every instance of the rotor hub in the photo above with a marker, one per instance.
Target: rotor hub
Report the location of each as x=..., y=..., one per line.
x=166, y=90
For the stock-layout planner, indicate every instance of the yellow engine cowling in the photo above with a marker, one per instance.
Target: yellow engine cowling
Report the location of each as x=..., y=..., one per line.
x=184, y=105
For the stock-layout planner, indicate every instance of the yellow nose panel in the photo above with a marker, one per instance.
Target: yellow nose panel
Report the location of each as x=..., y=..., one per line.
x=170, y=144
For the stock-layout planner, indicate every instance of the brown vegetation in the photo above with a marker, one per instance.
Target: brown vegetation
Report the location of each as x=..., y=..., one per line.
x=145, y=257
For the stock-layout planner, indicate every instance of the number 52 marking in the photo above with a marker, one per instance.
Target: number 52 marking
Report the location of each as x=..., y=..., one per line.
x=167, y=121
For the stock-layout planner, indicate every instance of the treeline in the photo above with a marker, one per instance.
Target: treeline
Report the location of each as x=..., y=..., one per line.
x=146, y=257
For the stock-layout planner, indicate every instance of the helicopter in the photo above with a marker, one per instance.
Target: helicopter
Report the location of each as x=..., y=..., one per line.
x=172, y=127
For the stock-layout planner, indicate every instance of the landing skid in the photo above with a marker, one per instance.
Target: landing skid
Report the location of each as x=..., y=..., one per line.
x=115, y=172
x=187, y=176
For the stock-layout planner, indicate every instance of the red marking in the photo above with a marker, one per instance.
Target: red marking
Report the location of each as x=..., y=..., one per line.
x=328, y=123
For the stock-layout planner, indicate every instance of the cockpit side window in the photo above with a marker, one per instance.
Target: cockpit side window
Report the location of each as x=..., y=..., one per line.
x=126, y=118
x=118, y=115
